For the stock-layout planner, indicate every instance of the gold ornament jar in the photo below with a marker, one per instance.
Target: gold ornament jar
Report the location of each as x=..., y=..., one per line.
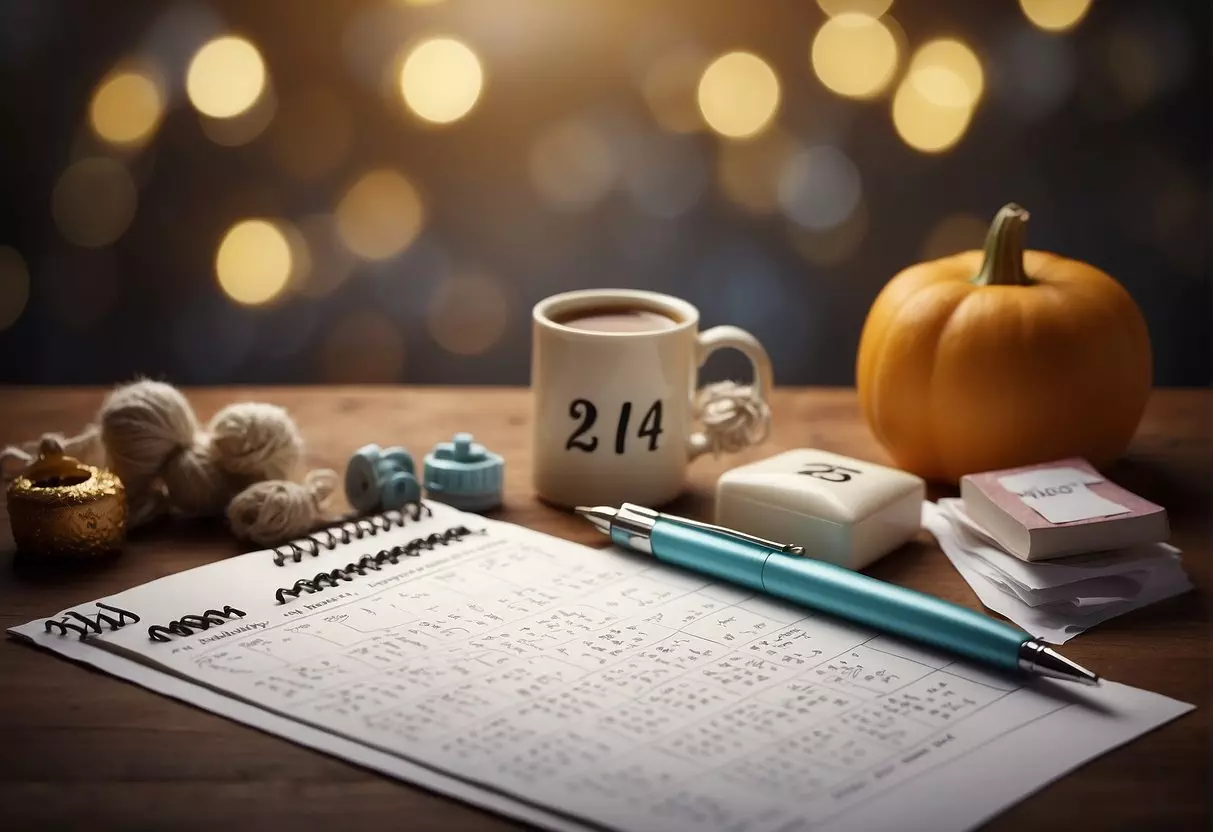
x=61, y=506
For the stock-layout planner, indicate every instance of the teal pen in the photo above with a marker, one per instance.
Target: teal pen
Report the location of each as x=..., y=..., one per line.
x=782, y=571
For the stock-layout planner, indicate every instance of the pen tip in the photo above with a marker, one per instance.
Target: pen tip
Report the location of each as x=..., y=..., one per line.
x=600, y=516
x=1035, y=657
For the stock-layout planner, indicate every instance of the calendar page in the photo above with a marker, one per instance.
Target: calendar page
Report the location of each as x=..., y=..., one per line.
x=613, y=689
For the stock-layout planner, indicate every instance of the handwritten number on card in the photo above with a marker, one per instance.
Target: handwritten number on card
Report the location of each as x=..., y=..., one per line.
x=585, y=411
x=829, y=473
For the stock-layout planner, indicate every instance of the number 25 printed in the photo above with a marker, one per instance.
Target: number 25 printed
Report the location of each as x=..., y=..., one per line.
x=585, y=411
x=829, y=473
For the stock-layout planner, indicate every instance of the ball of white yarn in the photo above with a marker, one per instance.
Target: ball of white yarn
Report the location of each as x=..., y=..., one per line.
x=142, y=425
x=150, y=433
x=268, y=513
x=195, y=484
x=255, y=441
x=154, y=445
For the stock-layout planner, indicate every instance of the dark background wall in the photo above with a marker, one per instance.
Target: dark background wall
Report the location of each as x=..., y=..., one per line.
x=570, y=171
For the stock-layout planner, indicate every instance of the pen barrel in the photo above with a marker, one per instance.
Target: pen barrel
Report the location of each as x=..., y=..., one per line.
x=841, y=592
x=709, y=554
x=893, y=609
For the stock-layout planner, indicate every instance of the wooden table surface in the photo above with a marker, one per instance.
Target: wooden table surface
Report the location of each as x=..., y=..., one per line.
x=82, y=750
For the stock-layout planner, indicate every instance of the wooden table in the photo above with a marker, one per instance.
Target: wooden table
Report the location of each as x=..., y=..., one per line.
x=82, y=750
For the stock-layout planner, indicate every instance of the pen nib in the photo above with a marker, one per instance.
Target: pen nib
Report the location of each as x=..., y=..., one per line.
x=600, y=516
x=1035, y=657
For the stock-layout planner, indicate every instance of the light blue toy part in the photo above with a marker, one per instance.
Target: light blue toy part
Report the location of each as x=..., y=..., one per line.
x=398, y=485
x=464, y=474
x=398, y=458
x=398, y=490
x=381, y=479
x=362, y=480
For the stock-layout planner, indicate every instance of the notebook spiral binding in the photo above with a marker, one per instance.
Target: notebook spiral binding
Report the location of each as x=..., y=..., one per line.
x=371, y=563
x=83, y=624
x=187, y=625
x=330, y=538
x=326, y=539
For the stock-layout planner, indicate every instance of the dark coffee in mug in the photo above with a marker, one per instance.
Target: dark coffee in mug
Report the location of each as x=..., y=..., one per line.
x=617, y=319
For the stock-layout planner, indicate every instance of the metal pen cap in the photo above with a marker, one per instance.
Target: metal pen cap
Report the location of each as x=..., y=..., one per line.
x=632, y=526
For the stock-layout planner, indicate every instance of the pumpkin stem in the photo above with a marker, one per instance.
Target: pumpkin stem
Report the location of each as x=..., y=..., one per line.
x=1003, y=264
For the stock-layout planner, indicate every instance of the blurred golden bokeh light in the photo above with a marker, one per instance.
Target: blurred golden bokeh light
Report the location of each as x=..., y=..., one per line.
x=14, y=286
x=225, y=77
x=253, y=263
x=1055, y=15
x=953, y=234
x=854, y=55
x=380, y=215
x=94, y=202
x=934, y=103
x=872, y=8
x=126, y=108
x=924, y=124
x=738, y=95
x=467, y=314
x=947, y=73
x=441, y=80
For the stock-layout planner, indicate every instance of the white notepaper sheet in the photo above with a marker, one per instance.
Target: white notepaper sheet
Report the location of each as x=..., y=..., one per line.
x=608, y=688
x=250, y=580
x=1059, y=599
x=306, y=735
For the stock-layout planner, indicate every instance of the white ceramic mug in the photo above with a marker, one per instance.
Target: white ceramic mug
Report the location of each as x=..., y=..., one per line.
x=613, y=411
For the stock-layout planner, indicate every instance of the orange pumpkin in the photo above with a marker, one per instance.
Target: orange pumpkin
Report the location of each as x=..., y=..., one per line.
x=982, y=361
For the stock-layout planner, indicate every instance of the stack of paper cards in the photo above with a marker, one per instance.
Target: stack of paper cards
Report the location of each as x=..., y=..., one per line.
x=1062, y=508
x=1058, y=599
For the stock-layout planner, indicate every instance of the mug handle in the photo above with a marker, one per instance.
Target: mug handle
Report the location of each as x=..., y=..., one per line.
x=722, y=337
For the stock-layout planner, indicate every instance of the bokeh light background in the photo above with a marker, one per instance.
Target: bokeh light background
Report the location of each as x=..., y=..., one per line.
x=220, y=191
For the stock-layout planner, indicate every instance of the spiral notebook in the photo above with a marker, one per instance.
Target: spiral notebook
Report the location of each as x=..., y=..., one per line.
x=575, y=688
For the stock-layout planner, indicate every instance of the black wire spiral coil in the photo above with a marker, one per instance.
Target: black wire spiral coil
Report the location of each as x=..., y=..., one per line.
x=330, y=538
x=326, y=539
x=371, y=563
x=84, y=624
x=187, y=625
